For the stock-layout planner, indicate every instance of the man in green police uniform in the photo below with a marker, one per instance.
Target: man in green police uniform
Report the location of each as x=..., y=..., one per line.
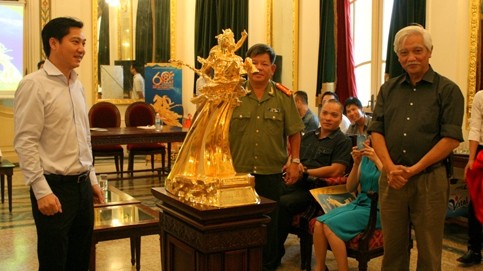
x=260, y=127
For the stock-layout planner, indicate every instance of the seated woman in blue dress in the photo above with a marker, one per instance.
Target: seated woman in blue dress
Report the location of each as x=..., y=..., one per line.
x=345, y=222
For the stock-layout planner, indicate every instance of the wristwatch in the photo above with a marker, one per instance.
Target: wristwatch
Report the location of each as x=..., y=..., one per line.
x=296, y=160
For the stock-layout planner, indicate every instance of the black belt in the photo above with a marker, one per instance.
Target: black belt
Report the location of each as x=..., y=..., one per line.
x=71, y=178
x=433, y=167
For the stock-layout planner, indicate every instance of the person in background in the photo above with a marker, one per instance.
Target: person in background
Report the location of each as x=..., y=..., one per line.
x=324, y=153
x=344, y=223
x=138, y=81
x=329, y=95
x=415, y=126
x=475, y=138
x=302, y=103
x=260, y=128
x=40, y=64
x=52, y=140
x=359, y=120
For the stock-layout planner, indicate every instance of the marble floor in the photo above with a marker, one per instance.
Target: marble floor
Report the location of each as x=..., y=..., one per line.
x=18, y=237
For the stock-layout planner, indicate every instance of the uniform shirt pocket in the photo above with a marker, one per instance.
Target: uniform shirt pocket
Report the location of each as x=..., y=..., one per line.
x=239, y=121
x=274, y=122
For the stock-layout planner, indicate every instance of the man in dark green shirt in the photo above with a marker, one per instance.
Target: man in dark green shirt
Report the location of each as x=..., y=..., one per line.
x=416, y=125
x=261, y=129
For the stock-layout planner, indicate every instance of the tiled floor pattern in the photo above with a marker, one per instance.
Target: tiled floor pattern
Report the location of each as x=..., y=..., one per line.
x=18, y=239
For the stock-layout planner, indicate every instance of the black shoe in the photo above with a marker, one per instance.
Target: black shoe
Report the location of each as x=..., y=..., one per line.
x=470, y=257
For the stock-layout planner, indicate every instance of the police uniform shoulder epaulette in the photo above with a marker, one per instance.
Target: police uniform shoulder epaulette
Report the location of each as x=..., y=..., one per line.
x=284, y=89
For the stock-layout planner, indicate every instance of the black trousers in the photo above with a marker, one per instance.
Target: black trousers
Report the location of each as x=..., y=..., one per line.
x=295, y=199
x=64, y=239
x=474, y=230
x=270, y=186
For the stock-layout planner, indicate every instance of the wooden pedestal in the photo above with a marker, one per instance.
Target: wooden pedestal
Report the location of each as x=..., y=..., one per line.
x=211, y=239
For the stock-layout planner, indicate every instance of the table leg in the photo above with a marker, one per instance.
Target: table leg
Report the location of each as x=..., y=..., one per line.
x=2, y=177
x=138, y=252
x=9, y=185
x=169, y=158
x=133, y=250
x=92, y=264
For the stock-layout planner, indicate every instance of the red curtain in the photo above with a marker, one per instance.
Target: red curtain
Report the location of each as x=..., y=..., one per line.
x=346, y=80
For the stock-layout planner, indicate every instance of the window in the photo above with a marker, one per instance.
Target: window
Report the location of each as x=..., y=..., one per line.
x=370, y=21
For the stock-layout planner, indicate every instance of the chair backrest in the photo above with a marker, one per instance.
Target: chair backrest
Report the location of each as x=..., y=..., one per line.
x=104, y=115
x=139, y=114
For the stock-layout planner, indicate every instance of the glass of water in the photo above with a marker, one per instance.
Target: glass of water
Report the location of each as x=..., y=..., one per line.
x=103, y=182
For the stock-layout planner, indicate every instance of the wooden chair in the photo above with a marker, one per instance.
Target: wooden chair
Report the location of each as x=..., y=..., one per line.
x=365, y=246
x=143, y=114
x=106, y=115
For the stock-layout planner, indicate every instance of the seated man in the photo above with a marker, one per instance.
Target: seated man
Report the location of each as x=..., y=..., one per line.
x=324, y=153
x=310, y=120
x=329, y=95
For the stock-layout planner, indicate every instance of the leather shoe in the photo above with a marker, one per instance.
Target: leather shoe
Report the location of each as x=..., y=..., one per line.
x=470, y=257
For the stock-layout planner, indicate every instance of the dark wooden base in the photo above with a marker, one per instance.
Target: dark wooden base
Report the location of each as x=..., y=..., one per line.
x=209, y=239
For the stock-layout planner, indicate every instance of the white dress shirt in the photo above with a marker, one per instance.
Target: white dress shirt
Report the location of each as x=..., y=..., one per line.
x=51, y=128
x=476, y=121
x=138, y=86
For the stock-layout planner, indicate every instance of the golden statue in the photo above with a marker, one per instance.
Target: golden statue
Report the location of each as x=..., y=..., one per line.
x=203, y=172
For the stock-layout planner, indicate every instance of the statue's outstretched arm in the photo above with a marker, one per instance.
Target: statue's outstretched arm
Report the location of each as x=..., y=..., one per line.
x=241, y=40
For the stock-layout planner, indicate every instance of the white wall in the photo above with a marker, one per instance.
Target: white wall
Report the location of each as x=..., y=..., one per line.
x=449, y=24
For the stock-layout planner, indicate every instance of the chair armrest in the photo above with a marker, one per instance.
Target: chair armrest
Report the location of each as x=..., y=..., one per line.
x=371, y=223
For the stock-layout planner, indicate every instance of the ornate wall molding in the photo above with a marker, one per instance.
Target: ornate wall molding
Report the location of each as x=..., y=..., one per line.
x=475, y=19
x=45, y=14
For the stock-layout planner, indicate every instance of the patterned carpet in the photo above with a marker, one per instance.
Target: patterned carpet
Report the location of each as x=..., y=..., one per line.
x=18, y=240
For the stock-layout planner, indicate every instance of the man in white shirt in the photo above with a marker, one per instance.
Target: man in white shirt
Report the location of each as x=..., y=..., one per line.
x=137, y=82
x=52, y=140
x=475, y=139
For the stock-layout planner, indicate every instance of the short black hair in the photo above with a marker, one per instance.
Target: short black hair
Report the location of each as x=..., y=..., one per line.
x=137, y=66
x=260, y=49
x=328, y=92
x=352, y=101
x=302, y=96
x=58, y=28
x=39, y=65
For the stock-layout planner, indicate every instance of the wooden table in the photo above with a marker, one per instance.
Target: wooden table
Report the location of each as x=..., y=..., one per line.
x=6, y=168
x=123, y=221
x=130, y=135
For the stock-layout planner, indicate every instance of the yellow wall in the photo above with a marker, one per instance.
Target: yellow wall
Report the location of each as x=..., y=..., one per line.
x=450, y=39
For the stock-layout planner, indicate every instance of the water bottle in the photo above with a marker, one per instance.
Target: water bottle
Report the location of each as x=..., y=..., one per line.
x=157, y=123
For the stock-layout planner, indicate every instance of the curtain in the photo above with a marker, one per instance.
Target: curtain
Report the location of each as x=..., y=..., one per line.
x=103, y=37
x=346, y=79
x=326, y=63
x=335, y=71
x=404, y=12
x=162, y=40
x=144, y=33
x=212, y=16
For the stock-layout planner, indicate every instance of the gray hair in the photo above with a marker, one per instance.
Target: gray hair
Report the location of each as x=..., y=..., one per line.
x=407, y=31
